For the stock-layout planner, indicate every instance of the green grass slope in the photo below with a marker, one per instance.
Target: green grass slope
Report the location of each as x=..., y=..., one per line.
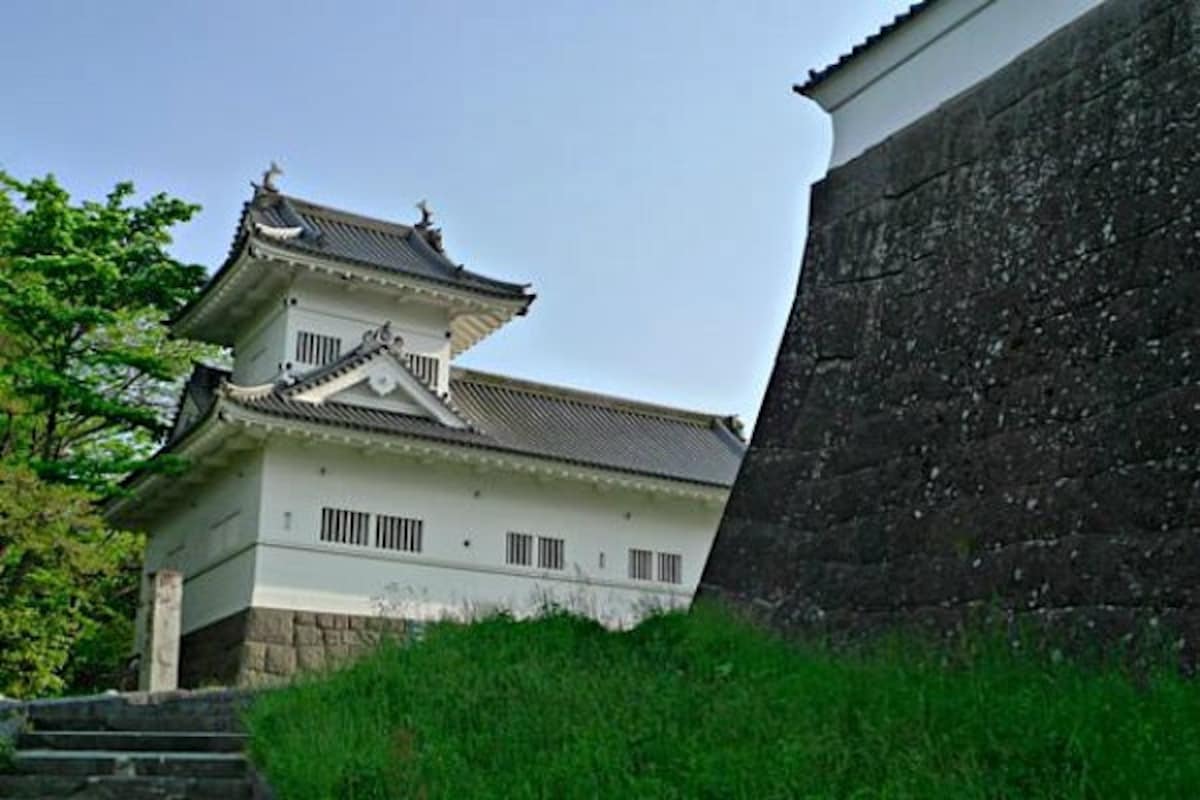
x=700, y=705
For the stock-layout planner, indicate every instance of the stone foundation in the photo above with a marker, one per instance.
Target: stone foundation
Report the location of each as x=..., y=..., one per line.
x=266, y=645
x=988, y=393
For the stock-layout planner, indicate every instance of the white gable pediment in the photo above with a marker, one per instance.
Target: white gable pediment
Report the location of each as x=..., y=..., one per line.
x=383, y=383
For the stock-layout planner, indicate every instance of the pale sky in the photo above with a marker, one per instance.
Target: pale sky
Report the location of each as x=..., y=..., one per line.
x=645, y=165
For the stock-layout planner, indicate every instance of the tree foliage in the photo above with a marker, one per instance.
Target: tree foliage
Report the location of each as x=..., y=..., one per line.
x=87, y=369
x=68, y=600
x=88, y=378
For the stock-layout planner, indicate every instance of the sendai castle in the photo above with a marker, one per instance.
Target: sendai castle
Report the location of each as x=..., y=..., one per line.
x=346, y=476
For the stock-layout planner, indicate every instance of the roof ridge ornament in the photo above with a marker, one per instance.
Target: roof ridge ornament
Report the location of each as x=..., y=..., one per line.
x=268, y=185
x=268, y=179
x=424, y=226
x=383, y=336
x=426, y=214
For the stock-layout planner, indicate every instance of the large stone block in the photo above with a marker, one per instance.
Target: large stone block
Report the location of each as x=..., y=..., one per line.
x=270, y=625
x=261, y=646
x=280, y=659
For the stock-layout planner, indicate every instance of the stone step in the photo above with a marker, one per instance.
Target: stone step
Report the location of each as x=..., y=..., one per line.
x=45, y=787
x=203, y=711
x=128, y=763
x=172, y=741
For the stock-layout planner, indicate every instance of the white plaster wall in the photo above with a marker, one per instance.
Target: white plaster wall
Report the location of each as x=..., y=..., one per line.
x=209, y=537
x=331, y=309
x=936, y=56
x=466, y=517
x=259, y=352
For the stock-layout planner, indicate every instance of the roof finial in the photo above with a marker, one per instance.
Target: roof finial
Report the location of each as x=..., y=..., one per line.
x=431, y=234
x=383, y=335
x=268, y=179
x=426, y=215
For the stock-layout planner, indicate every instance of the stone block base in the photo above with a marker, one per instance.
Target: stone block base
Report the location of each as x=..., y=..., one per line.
x=267, y=645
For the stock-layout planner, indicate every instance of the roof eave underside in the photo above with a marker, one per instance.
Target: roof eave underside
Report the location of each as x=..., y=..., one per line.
x=203, y=318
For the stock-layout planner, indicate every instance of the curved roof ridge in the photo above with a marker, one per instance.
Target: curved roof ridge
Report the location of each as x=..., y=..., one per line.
x=586, y=397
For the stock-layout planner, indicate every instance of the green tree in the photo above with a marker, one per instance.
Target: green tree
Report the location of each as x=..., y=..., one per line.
x=87, y=367
x=64, y=578
x=88, y=379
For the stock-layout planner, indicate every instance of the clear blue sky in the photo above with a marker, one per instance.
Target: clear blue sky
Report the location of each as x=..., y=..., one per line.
x=643, y=164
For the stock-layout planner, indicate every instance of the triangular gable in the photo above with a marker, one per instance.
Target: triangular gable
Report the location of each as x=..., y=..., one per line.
x=379, y=380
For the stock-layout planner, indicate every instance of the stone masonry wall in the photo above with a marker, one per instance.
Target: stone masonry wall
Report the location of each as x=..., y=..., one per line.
x=265, y=645
x=987, y=392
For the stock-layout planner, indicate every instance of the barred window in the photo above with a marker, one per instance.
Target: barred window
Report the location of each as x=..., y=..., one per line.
x=425, y=368
x=317, y=349
x=550, y=553
x=398, y=533
x=520, y=549
x=342, y=526
x=641, y=564
x=670, y=568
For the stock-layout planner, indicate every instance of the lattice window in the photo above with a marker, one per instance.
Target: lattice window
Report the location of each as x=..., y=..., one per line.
x=550, y=553
x=641, y=564
x=342, y=526
x=399, y=533
x=670, y=568
x=317, y=349
x=425, y=368
x=520, y=549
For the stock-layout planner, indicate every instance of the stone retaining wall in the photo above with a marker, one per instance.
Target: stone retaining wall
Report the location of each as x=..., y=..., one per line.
x=988, y=392
x=265, y=645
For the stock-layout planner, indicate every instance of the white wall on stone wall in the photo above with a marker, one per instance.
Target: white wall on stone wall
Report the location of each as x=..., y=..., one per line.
x=466, y=515
x=929, y=60
x=208, y=536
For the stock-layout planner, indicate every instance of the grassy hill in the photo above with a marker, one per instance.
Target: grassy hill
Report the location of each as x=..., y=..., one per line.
x=700, y=705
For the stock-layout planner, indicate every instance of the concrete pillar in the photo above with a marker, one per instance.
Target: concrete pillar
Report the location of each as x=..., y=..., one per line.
x=160, y=657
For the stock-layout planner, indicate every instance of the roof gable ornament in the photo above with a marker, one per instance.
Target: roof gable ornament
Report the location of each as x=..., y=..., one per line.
x=380, y=364
x=432, y=235
x=384, y=336
x=381, y=382
x=268, y=178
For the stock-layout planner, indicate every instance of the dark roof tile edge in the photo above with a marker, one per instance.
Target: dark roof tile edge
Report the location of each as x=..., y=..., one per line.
x=818, y=76
x=583, y=396
x=484, y=443
x=409, y=232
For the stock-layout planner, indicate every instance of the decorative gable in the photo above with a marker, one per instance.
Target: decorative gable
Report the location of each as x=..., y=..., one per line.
x=376, y=375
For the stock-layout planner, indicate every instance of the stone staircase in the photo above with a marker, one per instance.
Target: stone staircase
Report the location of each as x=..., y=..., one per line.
x=168, y=746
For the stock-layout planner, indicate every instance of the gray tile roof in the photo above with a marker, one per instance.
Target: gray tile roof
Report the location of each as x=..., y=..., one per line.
x=545, y=421
x=819, y=76
x=592, y=429
x=333, y=233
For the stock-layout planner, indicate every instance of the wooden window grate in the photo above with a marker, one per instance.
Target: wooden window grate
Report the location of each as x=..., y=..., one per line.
x=550, y=553
x=341, y=526
x=641, y=564
x=399, y=533
x=317, y=349
x=670, y=568
x=425, y=368
x=520, y=549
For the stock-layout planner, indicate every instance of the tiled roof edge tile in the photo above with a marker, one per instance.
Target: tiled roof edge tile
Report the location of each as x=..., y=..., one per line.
x=584, y=396
x=819, y=76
